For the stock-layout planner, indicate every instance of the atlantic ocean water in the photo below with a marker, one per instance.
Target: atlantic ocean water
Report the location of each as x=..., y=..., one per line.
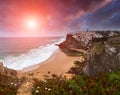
x=20, y=52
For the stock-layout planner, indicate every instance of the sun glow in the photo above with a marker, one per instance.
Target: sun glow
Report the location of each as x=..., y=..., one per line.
x=31, y=23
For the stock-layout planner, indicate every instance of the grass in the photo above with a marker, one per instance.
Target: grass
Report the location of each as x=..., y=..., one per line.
x=116, y=45
x=98, y=47
x=101, y=84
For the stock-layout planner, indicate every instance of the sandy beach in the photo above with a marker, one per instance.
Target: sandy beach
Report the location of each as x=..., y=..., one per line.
x=59, y=63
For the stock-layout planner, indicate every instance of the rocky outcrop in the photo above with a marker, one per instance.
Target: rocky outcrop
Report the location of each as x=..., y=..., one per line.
x=102, y=47
x=71, y=46
x=71, y=42
x=106, y=60
x=6, y=71
x=2, y=68
x=78, y=43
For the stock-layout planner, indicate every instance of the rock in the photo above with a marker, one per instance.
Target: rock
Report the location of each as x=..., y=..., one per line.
x=102, y=47
x=10, y=72
x=106, y=61
x=118, y=55
x=113, y=50
x=1, y=64
x=72, y=42
x=103, y=62
x=71, y=46
x=1, y=68
x=6, y=71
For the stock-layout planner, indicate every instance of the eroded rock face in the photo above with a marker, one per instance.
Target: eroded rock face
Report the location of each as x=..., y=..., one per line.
x=118, y=56
x=103, y=63
x=1, y=68
x=106, y=61
x=6, y=71
x=71, y=42
x=103, y=50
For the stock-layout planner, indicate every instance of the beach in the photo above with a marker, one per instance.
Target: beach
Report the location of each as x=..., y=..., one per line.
x=59, y=63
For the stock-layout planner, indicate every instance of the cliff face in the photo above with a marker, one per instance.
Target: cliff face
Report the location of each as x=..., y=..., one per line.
x=105, y=57
x=6, y=71
x=78, y=43
x=102, y=50
x=72, y=43
x=71, y=46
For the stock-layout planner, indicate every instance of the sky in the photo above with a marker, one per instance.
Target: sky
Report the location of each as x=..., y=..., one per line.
x=57, y=17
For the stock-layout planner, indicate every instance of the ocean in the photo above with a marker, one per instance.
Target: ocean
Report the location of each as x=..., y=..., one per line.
x=20, y=52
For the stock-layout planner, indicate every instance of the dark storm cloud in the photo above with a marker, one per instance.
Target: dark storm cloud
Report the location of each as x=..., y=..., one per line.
x=70, y=11
x=104, y=18
x=67, y=12
x=71, y=7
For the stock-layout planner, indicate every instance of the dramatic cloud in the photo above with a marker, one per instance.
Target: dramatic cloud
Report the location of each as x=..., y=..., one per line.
x=105, y=18
x=57, y=16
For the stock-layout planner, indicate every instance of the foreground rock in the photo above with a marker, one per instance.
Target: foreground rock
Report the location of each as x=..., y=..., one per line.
x=6, y=71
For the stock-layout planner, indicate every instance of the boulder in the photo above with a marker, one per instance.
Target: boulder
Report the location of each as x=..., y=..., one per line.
x=113, y=50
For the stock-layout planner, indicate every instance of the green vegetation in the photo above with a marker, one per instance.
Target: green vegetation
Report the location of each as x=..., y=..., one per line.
x=98, y=47
x=71, y=52
x=101, y=47
x=114, y=41
x=8, y=85
x=115, y=45
x=101, y=84
x=78, y=68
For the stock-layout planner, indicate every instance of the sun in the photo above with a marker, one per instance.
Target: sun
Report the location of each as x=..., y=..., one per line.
x=31, y=23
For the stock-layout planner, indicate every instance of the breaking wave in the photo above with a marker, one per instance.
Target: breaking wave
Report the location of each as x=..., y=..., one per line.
x=32, y=57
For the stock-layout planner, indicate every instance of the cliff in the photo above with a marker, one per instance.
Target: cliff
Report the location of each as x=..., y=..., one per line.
x=104, y=56
x=101, y=50
x=78, y=43
x=71, y=46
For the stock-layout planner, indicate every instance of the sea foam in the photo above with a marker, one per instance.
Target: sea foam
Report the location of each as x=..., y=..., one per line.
x=32, y=57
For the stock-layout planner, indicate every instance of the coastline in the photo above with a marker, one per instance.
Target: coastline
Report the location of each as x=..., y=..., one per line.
x=36, y=66
x=59, y=63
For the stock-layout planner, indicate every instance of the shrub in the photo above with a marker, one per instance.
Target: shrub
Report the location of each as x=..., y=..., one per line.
x=8, y=85
x=101, y=84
